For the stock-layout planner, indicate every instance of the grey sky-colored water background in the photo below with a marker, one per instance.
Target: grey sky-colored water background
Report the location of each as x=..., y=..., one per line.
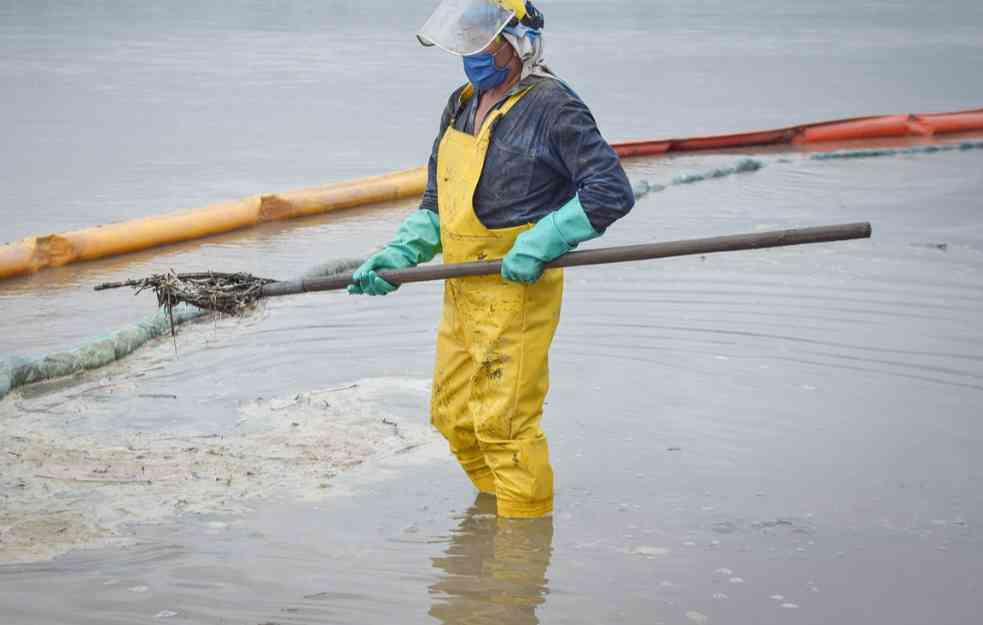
x=788, y=436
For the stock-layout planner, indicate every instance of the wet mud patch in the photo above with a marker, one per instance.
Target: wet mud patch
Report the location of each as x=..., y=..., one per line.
x=62, y=489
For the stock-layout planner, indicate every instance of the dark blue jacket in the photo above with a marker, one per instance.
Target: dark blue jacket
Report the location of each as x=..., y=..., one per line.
x=543, y=152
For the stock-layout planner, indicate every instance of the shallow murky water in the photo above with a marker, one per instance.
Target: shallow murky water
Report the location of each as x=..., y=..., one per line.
x=786, y=436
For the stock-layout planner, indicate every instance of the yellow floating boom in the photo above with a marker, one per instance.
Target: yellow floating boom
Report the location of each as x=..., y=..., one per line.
x=55, y=250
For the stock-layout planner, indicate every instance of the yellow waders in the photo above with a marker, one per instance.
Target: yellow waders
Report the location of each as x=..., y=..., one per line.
x=491, y=375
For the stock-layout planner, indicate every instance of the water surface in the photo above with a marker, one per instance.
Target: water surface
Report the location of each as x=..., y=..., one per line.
x=785, y=436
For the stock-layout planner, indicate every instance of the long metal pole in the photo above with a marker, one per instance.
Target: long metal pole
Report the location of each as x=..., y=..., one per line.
x=602, y=256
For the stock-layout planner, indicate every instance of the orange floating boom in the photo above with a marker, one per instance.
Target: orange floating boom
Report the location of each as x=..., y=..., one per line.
x=852, y=129
x=54, y=250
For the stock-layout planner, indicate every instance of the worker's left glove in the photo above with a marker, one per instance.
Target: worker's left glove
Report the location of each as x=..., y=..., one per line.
x=417, y=241
x=553, y=236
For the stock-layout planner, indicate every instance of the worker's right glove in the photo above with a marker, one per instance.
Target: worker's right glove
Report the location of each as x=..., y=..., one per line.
x=553, y=236
x=417, y=241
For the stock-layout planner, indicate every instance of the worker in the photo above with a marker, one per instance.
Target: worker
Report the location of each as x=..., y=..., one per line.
x=518, y=172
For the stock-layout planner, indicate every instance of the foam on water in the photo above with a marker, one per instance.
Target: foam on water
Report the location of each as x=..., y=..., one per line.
x=286, y=446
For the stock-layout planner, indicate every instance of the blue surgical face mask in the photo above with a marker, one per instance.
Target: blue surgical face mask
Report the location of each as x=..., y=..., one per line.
x=482, y=71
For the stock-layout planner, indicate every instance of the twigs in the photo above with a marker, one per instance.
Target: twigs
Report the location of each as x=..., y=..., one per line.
x=169, y=304
x=229, y=293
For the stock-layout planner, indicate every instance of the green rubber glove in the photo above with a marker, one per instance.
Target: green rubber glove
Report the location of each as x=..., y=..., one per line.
x=553, y=236
x=417, y=241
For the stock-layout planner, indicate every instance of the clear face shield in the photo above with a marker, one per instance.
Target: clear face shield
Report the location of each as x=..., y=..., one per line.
x=464, y=27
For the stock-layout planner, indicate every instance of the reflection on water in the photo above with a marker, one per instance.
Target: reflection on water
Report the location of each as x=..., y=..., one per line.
x=494, y=570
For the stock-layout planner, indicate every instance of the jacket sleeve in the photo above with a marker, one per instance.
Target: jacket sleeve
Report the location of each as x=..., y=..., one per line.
x=429, y=201
x=592, y=164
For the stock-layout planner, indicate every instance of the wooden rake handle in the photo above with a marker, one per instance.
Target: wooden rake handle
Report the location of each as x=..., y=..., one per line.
x=602, y=256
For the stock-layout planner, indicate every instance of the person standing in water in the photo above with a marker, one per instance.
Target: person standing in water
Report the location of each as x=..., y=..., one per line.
x=518, y=172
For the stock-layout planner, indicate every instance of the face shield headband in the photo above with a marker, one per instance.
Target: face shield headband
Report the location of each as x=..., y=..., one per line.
x=466, y=27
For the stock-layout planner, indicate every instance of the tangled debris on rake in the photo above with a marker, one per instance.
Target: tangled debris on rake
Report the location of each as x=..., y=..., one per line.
x=228, y=293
